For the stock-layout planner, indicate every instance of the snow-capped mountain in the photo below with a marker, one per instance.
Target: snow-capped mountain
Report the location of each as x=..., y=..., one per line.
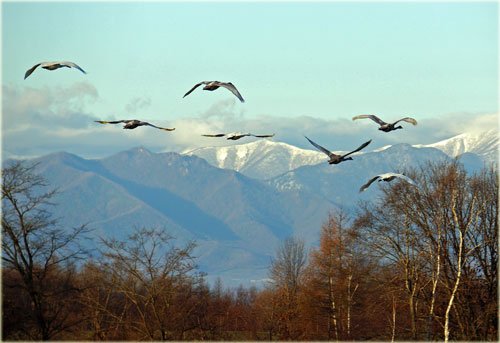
x=262, y=159
x=237, y=221
x=340, y=183
x=265, y=159
x=484, y=144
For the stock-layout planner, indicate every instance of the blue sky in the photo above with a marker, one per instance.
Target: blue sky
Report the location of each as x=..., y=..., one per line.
x=325, y=62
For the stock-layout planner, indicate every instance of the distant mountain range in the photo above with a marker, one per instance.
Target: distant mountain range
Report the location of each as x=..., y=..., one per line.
x=265, y=159
x=484, y=144
x=238, y=221
x=261, y=159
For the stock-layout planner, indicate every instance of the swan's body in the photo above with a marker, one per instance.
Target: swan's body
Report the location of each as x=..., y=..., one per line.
x=53, y=66
x=334, y=158
x=386, y=127
x=237, y=135
x=387, y=177
x=213, y=85
x=132, y=124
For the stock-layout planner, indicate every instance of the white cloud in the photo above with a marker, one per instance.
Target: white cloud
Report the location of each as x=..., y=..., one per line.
x=47, y=108
x=137, y=104
x=41, y=121
x=224, y=110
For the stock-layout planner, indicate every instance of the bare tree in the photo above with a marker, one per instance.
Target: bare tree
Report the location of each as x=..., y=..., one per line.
x=333, y=272
x=290, y=260
x=391, y=237
x=42, y=253
x=267, y=306
x=106, y=309
x=441, y=234
x=286, y=272
x=149, y=272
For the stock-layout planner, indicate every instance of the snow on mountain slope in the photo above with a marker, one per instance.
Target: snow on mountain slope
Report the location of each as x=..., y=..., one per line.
x=265, y=159
x=261, y=159
x=484, y=144
x=340, y=183
x=236, y=221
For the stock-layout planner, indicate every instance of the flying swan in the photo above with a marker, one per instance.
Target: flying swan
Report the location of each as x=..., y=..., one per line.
x=132, y=124
x=336, y=159
x=213, y=85
x=53, y=66
x=387, y=177
x=237, y=135
x=386, y=127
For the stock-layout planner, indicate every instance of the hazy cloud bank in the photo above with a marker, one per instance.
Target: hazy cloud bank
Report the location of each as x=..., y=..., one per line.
x=41, y=121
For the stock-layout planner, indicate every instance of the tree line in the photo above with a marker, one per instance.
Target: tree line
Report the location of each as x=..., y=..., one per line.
x=418, y=263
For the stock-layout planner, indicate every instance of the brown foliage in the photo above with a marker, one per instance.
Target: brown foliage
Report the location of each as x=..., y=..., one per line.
x=413, y=264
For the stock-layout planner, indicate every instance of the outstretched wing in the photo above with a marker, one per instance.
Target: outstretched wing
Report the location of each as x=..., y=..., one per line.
x=237, y=135
x=195, y=86
x=216, y=135
x=358, y=149
x=320, y=148
x=72, y=65
x=407, y=179
x=366, y=185
x=233, y=89
x=111, y=122
x=370, y=116
x=263, y=136
x=408, y=120
x=157, y=127
x=31, y=70
x=401, y=176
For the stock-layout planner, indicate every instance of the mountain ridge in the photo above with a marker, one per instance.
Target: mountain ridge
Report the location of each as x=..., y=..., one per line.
x=258, y=159
x=266, y=159
x=238, y=221
x=484, y=144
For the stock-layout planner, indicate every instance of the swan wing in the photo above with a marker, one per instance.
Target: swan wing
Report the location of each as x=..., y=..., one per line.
x=407, y=179
x=233, y=89
x=362, y=146
x=157, y=127
x=72, y=65
x=215, y=135
x=401, y=176
x=196, y=86
x=366, y=185
x=111, y=122
x=31, y=70
x=408, y=120
x=263, y=136
x=320, y=148
x=370, y=116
